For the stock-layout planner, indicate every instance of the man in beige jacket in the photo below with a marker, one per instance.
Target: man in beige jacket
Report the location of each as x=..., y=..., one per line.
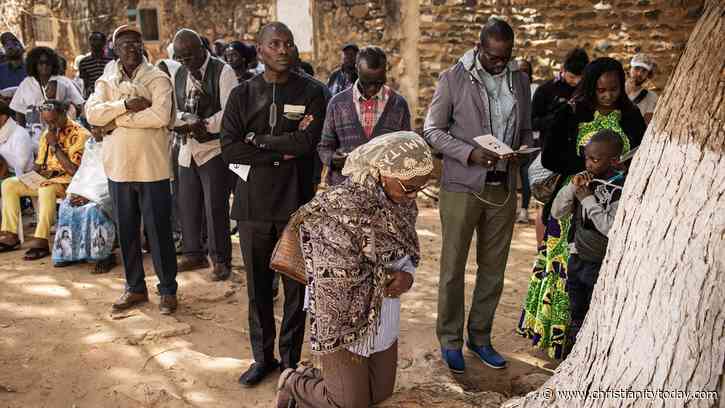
x=134, y=99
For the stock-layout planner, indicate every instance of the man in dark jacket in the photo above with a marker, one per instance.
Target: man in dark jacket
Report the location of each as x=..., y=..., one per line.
x=346, y=75
x=271, y=127
x=557, y=91
x=483, y=94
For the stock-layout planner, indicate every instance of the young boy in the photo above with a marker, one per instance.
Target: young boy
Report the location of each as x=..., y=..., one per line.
x=591, y=198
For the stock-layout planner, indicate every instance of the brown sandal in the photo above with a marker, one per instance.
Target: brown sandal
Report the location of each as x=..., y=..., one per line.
x=33, y=254
x=9, y=247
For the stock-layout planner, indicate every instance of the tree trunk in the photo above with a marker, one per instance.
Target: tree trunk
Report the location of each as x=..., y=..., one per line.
x=657, y=318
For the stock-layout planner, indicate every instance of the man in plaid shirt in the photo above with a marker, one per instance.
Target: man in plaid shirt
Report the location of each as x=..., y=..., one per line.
x=366, y=110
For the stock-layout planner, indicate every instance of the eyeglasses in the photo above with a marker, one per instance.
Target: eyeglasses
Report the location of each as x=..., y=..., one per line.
x=495, y=58
x=376, y=84
x=46, y=107
x=408, y=191
x=130, y=45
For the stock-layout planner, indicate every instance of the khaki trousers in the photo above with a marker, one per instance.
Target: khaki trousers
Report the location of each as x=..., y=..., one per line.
x=13, y=189
x=346, y=380
x=462, y=214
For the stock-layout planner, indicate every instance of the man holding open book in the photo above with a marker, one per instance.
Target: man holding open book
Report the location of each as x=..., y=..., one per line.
x=60, y=151
x=480, y=115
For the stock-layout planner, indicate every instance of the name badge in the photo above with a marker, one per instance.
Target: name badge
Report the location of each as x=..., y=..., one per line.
x=293, y=112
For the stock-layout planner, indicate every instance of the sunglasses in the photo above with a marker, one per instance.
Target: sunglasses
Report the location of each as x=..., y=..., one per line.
x=365, y=84
x=46, y=107
x=409, y=191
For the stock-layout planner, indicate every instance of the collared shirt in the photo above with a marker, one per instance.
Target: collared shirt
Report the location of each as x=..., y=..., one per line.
x=11, y=76
x=369, y=110
x=137, y=150
x=501, y=104
x=71, y=140
x=203, y=152
x=16, y=147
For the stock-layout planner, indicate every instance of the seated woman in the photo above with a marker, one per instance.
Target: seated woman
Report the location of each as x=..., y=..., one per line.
x=85, y=230
x=361, y=250
x=61, y=149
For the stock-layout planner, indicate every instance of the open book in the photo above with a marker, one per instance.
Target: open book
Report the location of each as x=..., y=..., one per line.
x=501, y=149
x=32, y=180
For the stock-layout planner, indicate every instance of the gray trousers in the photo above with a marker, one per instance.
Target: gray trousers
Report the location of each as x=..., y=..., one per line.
x=462, y=214
x=204, y=195
x=346, y=380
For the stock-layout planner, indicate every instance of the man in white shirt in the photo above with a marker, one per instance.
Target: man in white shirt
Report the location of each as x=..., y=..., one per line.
x=202, y=86
x=16, y=148
x=642, y=68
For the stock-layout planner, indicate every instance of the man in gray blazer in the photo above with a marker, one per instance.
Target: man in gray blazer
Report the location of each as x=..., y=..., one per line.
x=483, y=94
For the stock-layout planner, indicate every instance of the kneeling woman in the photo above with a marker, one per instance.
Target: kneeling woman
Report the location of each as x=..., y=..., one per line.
x=361, y=250
x=85, y=229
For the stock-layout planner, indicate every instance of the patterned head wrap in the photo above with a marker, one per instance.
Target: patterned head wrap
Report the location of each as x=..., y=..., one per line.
x=401, y=155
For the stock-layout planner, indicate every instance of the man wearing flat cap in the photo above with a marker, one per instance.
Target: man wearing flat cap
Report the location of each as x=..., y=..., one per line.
x=346, y=75
x=133, y=103
x=642, y=68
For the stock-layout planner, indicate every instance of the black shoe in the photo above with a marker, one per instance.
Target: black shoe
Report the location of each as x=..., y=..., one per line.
x=256, y=373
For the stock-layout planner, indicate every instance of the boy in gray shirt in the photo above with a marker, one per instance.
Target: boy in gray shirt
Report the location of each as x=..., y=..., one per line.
x=591, y=198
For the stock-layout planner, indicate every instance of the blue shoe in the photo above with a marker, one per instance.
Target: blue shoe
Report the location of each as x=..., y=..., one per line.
x=488, y=356
x=454, y=359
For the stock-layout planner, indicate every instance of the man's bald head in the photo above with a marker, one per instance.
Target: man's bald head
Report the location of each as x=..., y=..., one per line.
x=188, y=37
x=275, y=26
x=189, y=49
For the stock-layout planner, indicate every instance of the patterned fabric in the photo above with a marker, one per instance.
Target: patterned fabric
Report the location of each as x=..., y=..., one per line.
x=545, y=317
x=72, y=140
x=343, y=131
x=610, y=121
x=83, y=233
x=369, y=110
x=349, y=233
x=402, y=155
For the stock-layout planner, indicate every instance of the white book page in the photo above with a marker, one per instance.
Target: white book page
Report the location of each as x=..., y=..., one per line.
x=32, y=179
x=241, y=170
x=490, y=143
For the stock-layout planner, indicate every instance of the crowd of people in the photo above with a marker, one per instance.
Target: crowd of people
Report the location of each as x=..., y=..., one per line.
x=149, y=157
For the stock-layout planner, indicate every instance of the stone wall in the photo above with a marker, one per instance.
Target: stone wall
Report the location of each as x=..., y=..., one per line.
x=545, y=31
x=337, y=22
x=227, y=19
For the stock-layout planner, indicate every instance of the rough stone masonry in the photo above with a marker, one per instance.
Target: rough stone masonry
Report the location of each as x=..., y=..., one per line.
x=440, y=31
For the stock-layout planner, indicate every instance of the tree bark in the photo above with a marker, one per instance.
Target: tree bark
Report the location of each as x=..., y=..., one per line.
x=657, y=318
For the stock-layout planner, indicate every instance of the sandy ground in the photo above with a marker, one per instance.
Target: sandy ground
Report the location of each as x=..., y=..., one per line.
x=60, y=346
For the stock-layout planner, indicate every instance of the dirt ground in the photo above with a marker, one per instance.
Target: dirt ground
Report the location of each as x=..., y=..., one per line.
x=60, y=346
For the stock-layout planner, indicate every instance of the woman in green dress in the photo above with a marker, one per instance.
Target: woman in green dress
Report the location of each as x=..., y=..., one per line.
x=599, y=102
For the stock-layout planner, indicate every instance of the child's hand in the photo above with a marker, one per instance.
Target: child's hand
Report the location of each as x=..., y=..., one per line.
x=582, y=179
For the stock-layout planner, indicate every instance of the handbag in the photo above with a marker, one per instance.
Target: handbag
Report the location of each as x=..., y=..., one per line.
x=287, y=255
x=542, y=181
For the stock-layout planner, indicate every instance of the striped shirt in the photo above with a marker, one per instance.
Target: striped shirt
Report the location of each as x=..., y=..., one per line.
x=89, y=70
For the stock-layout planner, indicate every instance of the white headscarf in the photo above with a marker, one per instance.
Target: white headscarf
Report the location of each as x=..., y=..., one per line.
x=401, y=155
